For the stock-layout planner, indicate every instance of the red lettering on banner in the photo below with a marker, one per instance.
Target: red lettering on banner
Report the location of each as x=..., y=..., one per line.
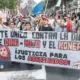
x=32, y=43
x=49, y=60
x=61, y=61
x=37, y=43
x=74, y=46
x=11, y=42
x=56, y=61
x=35, y=59
x=66, y=62
x=3, y=59
x=28, y=43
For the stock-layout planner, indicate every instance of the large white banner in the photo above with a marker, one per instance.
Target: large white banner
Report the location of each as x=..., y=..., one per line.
x=57, y=49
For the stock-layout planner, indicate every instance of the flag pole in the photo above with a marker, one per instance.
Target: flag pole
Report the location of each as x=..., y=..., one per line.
x=46, y=6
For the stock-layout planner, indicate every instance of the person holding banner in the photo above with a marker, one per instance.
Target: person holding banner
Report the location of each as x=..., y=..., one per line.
x=45, y=25
x=12, y=26
x=61, y=27
x=27, y=27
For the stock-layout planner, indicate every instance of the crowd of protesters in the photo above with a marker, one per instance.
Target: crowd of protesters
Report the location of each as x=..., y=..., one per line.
x=43, y=22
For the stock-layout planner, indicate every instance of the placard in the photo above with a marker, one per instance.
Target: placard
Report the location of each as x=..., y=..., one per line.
x=57, y=49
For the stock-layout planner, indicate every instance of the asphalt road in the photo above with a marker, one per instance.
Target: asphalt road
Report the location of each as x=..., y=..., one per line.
x=24, y=72
x=62, y=74
x=21, y=72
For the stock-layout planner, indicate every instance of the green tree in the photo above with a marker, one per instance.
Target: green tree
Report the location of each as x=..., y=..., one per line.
x=3, y=4
x=11, y=4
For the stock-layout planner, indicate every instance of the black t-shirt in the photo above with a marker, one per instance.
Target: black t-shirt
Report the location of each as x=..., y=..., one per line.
x=42, y=28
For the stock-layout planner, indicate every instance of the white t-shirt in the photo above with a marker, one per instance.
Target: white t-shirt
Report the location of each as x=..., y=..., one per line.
x=51, y=22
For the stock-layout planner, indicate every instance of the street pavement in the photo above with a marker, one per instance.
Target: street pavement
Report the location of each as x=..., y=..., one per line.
x=22, y=72
x=62, y=74
x=36, y=72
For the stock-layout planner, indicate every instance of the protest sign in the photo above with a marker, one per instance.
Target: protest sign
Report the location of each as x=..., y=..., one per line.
x=57, y=49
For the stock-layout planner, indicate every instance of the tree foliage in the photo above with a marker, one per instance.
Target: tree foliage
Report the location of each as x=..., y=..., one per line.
x=11, y=4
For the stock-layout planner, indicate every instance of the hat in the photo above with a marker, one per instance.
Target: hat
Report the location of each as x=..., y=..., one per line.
x=41, y=22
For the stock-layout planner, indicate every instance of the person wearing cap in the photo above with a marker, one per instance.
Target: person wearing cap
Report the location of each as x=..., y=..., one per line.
x=45, y=26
